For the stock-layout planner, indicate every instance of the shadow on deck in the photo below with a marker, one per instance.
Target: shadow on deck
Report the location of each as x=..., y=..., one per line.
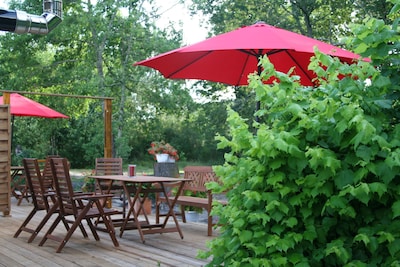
x=166, y=249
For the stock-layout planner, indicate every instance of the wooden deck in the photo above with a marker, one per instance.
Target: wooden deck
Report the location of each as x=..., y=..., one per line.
x=158, y=250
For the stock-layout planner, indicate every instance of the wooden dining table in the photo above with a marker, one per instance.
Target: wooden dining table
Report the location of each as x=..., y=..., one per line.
x=19, y=188
x=137, y=189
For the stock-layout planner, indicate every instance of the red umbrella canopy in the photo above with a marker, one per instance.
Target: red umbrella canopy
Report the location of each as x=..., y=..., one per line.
x=22, y=106
x=230, y=57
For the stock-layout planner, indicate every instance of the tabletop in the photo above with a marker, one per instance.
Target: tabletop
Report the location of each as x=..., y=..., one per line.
x=138, y=178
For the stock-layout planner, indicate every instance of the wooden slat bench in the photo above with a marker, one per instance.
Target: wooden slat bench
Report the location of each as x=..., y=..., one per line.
x=199, y=175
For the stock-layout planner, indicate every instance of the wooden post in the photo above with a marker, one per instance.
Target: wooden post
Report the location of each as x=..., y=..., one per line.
x=107, y=129
x=6, y=98
x=5, y=160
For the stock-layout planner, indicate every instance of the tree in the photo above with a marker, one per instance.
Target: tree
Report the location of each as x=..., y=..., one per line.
x=91, y=53
x=317, y=184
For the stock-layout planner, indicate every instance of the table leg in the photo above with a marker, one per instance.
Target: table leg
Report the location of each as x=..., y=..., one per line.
x=171, y=205
x=147, y=227
x=17, y=177
x=132, y=211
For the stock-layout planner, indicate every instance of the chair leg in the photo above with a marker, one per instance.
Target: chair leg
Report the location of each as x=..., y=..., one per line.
x=24, y=194
x=23, y=226
x=50, y=230
x=158, y=212
x=209, y=223
x=77, y=223
x=43, y=222
x=109, y=226
x=183, y=214
x=123, y=205
x=93, y=229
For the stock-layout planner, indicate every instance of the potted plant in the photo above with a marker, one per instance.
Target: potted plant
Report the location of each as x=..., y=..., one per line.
x=88, y=183
x=163, y=152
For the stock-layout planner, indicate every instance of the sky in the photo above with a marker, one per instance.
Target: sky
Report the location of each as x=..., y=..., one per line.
x=171, y=10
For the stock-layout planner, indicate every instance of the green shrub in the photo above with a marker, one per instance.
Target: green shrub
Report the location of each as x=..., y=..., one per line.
x=317, y=183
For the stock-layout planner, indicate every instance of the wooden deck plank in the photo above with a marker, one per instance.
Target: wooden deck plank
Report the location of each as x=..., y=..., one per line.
x=166, y=249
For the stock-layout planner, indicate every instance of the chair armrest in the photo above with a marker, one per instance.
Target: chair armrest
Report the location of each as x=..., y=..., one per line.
x=168, y=188
x=50, y=194
x=168, y=184
x=92, y=196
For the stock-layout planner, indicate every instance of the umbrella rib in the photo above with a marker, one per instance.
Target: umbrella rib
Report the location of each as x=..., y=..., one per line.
x=243, y=68
x=255, y=53
x=190, y=63
x=297, y=64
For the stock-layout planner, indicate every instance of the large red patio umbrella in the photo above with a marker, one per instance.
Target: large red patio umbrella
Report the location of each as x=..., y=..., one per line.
x=230, y=57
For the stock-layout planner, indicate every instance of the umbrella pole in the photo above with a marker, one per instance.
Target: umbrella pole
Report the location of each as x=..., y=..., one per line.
x=257, y=109
x=12, y=133
x=258, y=104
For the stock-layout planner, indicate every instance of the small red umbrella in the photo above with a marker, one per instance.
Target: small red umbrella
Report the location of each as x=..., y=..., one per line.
x=22, y=106
x=230, y=57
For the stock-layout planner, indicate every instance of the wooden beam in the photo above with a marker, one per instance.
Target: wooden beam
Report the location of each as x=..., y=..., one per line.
x=61, y=95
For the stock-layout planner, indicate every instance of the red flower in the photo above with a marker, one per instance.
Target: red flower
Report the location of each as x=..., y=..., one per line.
x=162, y=148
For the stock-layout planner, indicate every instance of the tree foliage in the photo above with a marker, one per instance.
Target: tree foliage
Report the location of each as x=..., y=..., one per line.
x=318, y=182
x=91, y=54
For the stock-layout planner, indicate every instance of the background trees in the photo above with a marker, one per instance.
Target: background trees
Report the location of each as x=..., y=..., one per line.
x=91, y=54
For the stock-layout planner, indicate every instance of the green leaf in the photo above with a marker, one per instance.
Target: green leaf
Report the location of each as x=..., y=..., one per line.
x=336, y=247
x=310, y=233
x=379, y=188
x=385, y=237
x=396, y=209
x=279, y=261
x=343, y=178
x=362, y=237
x=364, y=152
x=275, y=178
x=245, y=236
x=271, y=241
x=361, y=192
x=291, y=222
x=394, y=247
x=281, y=145
x=238, y=223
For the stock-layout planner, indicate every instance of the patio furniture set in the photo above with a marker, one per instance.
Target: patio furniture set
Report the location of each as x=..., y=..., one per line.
x=51, y=191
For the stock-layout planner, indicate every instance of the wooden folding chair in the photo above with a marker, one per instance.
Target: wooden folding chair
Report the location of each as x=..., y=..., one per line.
x=110, y=166
x=76, y=207
x=47, y=175
x=43, y=198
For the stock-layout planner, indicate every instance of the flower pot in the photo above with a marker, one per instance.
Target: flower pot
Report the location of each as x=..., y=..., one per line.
x=146, y=207
x=192, y=216
x=162, y=157
x=171, y=159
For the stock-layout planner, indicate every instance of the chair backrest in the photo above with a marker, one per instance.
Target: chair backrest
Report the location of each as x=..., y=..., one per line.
x=63, y=184
x=200, y=175
x=108, y=166
x=48, y=181
x=35, y=183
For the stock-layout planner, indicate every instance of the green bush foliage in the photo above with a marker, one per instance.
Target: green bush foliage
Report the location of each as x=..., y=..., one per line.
x=316, y=182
